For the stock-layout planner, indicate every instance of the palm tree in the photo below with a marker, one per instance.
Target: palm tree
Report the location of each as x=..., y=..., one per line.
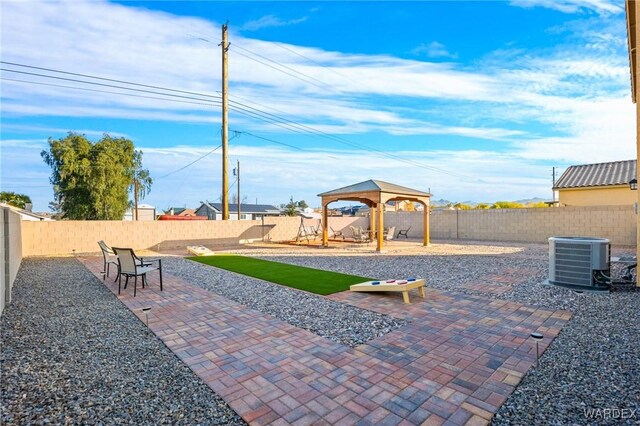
x=141, y=184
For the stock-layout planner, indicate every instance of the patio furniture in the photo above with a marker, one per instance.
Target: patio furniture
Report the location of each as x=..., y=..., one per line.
x=388, y=234
x=109, y=258
x=336, y=233
x=403, y=233
x=360, y=235
x=131, y=265
x=403, y=286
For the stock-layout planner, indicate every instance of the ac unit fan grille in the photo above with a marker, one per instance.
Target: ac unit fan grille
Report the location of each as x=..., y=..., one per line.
x=572, y=264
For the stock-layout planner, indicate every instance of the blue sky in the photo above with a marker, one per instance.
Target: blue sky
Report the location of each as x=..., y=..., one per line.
x=471, y=100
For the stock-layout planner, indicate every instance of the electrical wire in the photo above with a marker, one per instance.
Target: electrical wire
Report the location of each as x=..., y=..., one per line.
x=326, y=85
x=315, y=62
x=107, y=91
x=106, y=79
x=190, y=164
x=240, y=108
x=101, y=84
x=282, y=71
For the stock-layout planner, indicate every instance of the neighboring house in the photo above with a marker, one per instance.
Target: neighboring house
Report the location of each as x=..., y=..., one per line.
x=180, y=211
x=26, y=214
x=213, y=211
x=145, y=212
x=597, y=184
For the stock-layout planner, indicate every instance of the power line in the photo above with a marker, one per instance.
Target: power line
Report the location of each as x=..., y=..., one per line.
x=281, y=143
x=300, y=128
x=315, y=62
x=106, y=79
x=282, y=71
x=326, y=86
x=101, y=84
x=242, y=109
x=190, y=164
x=108, y=91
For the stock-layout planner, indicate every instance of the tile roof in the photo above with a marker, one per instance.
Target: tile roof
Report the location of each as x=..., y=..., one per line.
x=600, y=174
x=376, y=185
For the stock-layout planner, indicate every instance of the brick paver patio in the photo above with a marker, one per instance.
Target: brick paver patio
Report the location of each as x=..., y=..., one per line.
x=455, y=363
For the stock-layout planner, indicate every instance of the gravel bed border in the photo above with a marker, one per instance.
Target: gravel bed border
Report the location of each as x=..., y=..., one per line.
x=72, y=353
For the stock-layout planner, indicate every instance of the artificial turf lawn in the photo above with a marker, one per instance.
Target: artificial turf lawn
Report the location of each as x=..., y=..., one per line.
x=308, y=279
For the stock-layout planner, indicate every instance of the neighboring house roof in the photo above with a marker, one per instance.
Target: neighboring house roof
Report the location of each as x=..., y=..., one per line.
x=186, y=212
x=599, y=174
x=25, y=214
x=176, y=210
x=244, y=208
x=376, y=185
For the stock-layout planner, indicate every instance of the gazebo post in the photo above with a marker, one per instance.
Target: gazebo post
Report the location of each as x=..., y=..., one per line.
x=325, y=224
x=380, y=207
x=372, y=218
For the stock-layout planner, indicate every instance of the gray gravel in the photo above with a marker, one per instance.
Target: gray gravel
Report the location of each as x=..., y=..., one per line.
x=71, y=353
x=342, y=323
x=593, y=364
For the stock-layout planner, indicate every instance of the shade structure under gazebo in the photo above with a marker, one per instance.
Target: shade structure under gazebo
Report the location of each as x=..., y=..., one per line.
x=375, y=193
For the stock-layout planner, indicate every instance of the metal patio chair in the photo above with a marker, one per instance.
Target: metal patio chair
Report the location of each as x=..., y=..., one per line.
x=109, y=258
x=403, y=233
x=131, y=265
x=336, y=233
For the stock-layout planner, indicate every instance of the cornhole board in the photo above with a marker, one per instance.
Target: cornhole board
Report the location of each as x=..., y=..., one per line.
x=200, y=251
x=403, y=286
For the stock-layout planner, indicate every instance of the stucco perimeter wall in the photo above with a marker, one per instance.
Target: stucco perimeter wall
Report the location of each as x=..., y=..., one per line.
x=10, y=253
x=617, y=223
x=63, y=237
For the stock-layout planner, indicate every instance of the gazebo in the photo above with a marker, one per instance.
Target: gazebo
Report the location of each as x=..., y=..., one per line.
x=374, y=193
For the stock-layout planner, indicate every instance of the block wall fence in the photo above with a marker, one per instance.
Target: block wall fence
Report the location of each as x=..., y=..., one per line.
x=65, y=237
x=618, y=223
x=10, y=253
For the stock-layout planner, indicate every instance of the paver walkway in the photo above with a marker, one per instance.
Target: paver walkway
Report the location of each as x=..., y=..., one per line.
x=455, y=363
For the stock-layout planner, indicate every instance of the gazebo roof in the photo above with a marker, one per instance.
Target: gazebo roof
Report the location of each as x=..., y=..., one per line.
x=373, y=185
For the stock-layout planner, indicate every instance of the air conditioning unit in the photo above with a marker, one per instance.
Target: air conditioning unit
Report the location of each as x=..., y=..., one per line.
x=579, y=263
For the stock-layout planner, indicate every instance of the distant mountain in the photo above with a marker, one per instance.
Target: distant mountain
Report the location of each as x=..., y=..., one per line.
x=533, y=200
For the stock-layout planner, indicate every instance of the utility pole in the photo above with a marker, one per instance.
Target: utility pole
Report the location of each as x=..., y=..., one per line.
x=236, y=172
x=553, y=177
x=225, y=124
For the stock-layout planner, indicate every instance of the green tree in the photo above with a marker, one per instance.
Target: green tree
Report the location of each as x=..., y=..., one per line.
x=483, y=206
x=90, y=180
x=290, y=209
x=538, y=205
x=302, y=204
x=462, y=206
x=17, y=200
x=507, y=205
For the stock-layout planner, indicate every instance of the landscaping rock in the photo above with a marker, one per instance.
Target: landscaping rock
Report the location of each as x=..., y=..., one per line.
x=71, y=353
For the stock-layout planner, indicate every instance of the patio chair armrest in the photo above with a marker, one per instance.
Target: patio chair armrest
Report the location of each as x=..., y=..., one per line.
x=146, y=261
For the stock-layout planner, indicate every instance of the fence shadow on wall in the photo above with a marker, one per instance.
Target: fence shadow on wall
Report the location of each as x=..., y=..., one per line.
x=253, y=233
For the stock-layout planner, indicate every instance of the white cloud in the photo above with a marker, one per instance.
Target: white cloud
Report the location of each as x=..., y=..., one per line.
x=271, y=21
x=573, y=6
x=568, y=104
x=433, y=50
